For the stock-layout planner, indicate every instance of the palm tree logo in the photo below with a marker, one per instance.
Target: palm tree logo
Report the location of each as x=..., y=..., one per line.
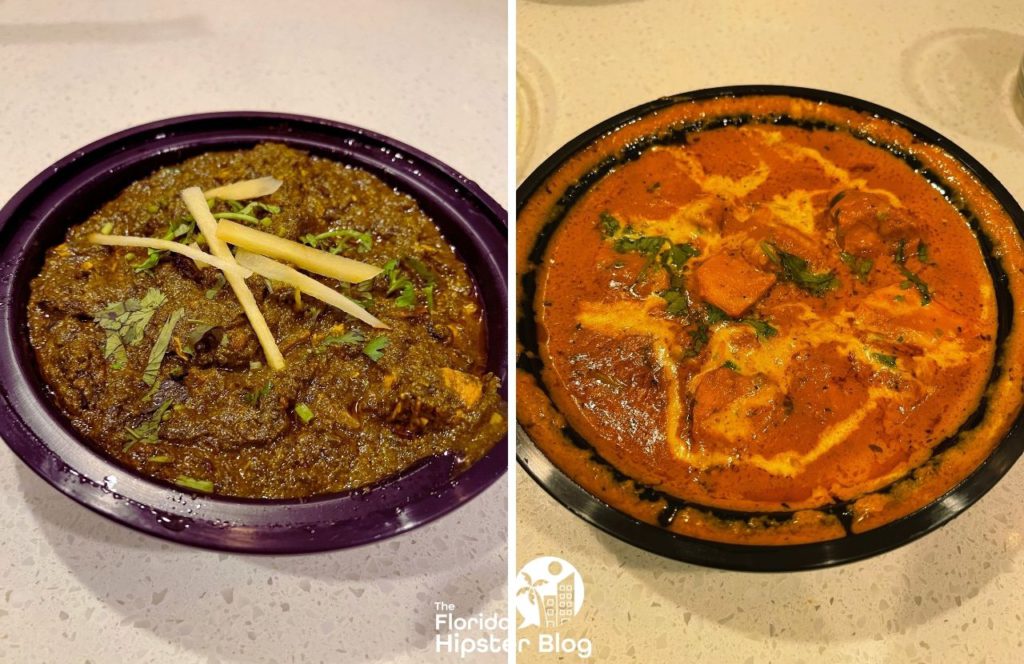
x=549, y=592
x=530, y=590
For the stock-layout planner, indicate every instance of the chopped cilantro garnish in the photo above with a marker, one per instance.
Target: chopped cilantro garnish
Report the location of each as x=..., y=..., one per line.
x=151, y=260
x=247, y=213
x=798, y=271
x=677, y=255
x=304, y=413
x=608, y=224
x=363, y=241
x=421, y=269
x=428, y=292
x=860, y=267
x=922, y=252
x=255, y=398
x=195, y=336
x=882, y=358
x=147, y=432
x=677, y=303
x=375, y=348
x=762, y=329
x=673, y=260
x=698, y=339
x=206, y=486
x=729, y=364
x=911, y=278
x=156, y=355
x=395, y=279
x=640, y=244
x=212, y=292
x=399, y=281
x=125, y=322
x=714, y=315
x=407, y=299
x=182, y=231
x=236, y=216
x=350, y=338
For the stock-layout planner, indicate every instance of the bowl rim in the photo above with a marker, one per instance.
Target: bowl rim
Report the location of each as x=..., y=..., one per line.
x=418, y=495
x=771, y=558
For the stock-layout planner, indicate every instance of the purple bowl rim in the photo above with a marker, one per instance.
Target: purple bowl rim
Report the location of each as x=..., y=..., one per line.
x=34, y=452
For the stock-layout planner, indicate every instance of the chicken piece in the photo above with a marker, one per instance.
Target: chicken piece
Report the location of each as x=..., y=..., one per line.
x=896, y=316
x=728, y=406
x=866, y=221
x=467, y=387
x=757, y=224
x=732, y=284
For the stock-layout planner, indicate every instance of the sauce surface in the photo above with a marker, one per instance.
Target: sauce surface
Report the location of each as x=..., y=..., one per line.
x=352, y=406
x=773, y=318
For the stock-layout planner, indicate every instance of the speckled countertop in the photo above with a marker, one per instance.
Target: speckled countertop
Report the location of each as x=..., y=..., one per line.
x=75, y=587
x=958, y=594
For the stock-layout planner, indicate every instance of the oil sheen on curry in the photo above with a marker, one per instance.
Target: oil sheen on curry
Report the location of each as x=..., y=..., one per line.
x=773, y=318
x=157, y=362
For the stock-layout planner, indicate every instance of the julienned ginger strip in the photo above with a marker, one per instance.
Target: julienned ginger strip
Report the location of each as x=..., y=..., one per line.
x=195, y=201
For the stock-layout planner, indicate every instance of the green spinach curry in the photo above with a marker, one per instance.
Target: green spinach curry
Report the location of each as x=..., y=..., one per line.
x=154, y=362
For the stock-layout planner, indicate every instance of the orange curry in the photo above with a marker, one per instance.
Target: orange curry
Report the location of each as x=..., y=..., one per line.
x=765, y=320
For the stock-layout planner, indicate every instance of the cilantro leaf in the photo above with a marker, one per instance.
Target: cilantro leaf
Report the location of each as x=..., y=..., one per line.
x=699, y=338
x=375, y=348
x=255, y=398
x=640, y=244
x=677, y=303
x=428, y=292
x=911, y=278
x=407, y=300
x=196, y=336
x=350, y=338
x=421, y=269
x=882, y=358
x=156, y=355
x=798, y=271
x=608, y=224
x=147, y=432
x=212, y=293
x=922, y=252
x=124, y=324
x=762, y=329
x=860, y=267
x=714, y=315
x=344, y=238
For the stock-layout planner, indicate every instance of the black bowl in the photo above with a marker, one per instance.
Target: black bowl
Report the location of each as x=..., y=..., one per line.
x=69, y=191
x=789, y=557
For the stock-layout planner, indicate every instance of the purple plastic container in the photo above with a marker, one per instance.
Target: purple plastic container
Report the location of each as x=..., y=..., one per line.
x=69, y=191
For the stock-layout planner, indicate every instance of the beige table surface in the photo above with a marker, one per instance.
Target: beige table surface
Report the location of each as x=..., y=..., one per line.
x=75, y=587
x=958, y=594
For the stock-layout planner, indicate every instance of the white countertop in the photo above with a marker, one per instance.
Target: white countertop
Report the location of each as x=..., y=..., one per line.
x=75, y=587
x=958, y=594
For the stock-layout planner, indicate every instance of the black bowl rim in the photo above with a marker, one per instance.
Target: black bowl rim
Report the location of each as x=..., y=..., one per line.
x=419, y=495
x=774, y=558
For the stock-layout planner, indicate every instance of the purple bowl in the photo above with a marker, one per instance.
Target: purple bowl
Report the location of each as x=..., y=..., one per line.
x=69, y=191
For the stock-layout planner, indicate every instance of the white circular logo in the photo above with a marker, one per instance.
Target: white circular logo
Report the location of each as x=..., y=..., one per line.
x=549, y=591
